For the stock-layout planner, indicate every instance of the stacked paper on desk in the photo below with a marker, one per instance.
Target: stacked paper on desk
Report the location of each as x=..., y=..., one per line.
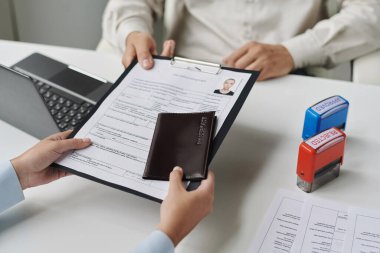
x=298, y=223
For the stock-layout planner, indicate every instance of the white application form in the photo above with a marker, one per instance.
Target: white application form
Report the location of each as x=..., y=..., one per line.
x=280, y=225
x=121, y=129
x=322, y=228
x=363, y=234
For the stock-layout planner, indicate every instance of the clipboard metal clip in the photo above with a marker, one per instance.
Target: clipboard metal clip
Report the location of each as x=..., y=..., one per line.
x=194, y=65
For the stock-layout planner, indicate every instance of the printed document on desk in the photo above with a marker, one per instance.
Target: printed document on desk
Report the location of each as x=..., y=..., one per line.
x=281, y=223
x=322, y=227
x=121, y=126
x=363, y=234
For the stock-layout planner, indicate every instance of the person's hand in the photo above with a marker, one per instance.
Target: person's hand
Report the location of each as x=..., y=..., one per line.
x=142, y=45
x=271, y=60
x=32, y=167
x=181, y=211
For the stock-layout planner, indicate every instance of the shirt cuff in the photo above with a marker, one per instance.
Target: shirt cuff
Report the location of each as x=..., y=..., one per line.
x=305, y=50
x=128, y=26
x=156, y=242
x=10, y=188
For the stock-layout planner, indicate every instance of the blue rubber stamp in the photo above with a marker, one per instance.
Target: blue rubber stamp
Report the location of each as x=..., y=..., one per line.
x=330, y=112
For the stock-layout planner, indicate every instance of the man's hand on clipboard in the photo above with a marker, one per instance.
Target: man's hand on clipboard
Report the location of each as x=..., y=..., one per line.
x=143, y=45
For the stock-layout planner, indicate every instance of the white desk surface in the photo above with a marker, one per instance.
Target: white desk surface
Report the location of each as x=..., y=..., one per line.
x=257, y=158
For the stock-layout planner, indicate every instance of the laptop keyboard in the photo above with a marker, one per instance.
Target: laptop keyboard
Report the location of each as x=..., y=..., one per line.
x=66, y=112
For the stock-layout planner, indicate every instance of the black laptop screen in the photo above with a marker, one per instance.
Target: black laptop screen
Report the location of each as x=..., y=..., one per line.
x=76, y=82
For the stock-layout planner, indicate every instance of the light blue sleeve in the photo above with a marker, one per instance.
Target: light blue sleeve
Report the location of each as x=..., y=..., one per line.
x=156, y=242
x=10, y=188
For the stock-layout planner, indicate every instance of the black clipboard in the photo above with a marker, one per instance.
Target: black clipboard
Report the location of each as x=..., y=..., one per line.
x=218, y=139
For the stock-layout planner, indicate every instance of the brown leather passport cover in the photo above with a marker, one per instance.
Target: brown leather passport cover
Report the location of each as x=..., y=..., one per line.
x=180, y=139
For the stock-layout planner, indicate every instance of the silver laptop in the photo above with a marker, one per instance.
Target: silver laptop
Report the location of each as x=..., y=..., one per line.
x=41, y=96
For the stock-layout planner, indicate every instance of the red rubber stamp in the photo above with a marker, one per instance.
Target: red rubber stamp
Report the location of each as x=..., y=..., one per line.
x=320, y=158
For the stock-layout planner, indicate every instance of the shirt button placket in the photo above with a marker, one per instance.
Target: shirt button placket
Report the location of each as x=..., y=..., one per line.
x=248, y=28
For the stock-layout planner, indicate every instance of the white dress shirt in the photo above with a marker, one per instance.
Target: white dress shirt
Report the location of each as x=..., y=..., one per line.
x=11, y=194
x=211, y=30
